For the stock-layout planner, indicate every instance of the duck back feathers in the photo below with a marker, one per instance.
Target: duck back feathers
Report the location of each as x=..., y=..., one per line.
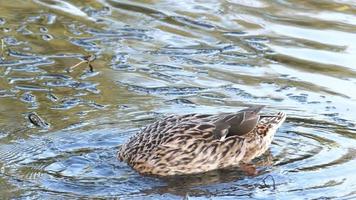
x=196, y=143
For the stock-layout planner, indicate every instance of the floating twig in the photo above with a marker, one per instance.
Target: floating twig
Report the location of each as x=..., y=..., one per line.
x=89, y=59
x=86, y=59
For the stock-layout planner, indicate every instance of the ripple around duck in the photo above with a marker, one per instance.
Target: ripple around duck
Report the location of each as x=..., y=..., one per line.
x=82, y=163
x=84, y=166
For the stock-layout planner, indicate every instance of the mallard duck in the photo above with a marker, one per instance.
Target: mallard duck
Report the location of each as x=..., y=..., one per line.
x=196, y=143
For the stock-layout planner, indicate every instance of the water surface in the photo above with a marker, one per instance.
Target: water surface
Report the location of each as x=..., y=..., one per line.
x=155, y=58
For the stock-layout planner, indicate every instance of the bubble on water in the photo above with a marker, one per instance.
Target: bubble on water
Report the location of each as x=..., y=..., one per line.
x=47, y=37
x=2, y=21
x=43, y=29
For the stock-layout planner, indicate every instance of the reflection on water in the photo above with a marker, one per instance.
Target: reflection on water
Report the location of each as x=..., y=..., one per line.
x=154, y=58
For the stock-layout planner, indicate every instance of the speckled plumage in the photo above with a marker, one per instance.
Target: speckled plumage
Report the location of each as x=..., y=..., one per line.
x=196, y=143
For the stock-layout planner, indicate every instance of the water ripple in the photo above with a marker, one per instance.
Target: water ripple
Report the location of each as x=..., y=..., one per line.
x=154, y=58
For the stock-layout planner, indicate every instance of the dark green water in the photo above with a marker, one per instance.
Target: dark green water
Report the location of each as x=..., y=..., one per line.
x=155, y=58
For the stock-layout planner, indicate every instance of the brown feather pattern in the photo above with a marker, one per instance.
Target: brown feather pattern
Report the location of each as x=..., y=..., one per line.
x=189, y=144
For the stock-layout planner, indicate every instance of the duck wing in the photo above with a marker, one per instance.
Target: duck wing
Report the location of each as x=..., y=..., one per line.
x=239, y=123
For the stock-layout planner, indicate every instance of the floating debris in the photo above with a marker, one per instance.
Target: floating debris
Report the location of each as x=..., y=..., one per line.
x=37, y=121
x=86, y=59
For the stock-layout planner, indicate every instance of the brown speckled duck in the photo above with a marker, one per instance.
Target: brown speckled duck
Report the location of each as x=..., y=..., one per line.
x=196, y=143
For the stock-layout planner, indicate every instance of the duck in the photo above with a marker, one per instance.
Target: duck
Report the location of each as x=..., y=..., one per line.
x=197, y=143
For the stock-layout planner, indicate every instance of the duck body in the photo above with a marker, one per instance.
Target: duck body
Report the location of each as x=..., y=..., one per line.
x=196, y=143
